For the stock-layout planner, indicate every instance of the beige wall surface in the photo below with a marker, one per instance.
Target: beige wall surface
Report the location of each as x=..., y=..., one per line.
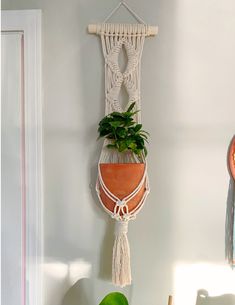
x=188, y=106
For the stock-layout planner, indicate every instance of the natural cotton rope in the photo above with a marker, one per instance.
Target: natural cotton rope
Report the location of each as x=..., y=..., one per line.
x=113, y=38
x=112, y=43
x=121, y=211
x=138, y=18
x=121, y=268
x=230, y=213
x=230, y=224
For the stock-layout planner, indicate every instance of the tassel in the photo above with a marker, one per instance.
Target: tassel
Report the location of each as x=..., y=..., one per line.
x=230, y=225
x=121, y=269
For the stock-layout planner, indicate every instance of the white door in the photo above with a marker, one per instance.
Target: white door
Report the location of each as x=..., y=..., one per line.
x=21, y=158
x=13, y=184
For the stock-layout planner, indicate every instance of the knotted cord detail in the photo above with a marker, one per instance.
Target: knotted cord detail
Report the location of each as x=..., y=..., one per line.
x=114, y=38
x=121, y=211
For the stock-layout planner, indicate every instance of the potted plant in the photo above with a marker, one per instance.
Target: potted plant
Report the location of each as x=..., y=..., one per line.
x=123, y=135
x=114, y=298
x=122, y=184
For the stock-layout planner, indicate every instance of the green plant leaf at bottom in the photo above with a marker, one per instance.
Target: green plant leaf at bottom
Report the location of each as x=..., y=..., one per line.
x=114, y=298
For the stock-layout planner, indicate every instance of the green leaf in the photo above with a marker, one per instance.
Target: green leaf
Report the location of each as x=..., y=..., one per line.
x=137, y=151
x=145, y=132
x=115, y=124
x=104, y=132
x=128, y=114
x=121, y=145
x=106, y=119
x=111, y=146
x=132, y=146
x=104, y=125
x=145, y=151
x=129, y=140
x=130, y=123
x=131, y=130
x=144, y=136
x=135, y=112
x=132, y=105
x=121, y=132
x=114, y=298
x=138, y=127
x=117, y=114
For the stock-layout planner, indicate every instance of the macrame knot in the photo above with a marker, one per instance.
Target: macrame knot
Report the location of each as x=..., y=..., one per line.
x=118, y=79
x=121, y=227
x=116, y=106
x=121, y=202
x=121, y=210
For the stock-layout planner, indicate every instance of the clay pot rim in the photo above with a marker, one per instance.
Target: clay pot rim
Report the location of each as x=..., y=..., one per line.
x=122, y=163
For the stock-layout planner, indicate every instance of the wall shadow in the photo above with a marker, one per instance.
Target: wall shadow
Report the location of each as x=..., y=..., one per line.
x=203, y=298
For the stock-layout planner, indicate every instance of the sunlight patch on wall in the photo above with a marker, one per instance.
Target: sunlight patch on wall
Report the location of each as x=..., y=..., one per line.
x=72, y=272
x=217, y=279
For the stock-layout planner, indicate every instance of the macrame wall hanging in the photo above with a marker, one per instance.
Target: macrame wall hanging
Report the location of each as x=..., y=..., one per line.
x=122, y=184
x=230, y=216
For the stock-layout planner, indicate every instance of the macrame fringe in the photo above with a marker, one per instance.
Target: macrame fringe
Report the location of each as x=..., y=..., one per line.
x=230, y=225
x=121, y=268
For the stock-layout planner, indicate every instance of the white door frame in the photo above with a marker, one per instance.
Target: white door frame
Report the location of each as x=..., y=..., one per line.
x=29, y=23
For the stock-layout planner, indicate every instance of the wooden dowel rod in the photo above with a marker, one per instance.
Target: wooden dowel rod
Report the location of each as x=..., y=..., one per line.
x=94, y=29
x=170, y=299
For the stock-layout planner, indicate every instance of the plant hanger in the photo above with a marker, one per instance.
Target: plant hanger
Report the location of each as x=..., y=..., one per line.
x=98, y=28
x=122, y=183
x=123, y=3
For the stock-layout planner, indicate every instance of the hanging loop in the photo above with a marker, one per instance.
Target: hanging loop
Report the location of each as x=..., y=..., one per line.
x=123, y=3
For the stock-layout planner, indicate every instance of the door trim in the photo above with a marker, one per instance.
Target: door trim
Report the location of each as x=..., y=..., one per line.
x=29, y=23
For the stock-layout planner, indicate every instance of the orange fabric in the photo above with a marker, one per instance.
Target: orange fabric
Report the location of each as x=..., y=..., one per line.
x=122, y=179
x=231, y=158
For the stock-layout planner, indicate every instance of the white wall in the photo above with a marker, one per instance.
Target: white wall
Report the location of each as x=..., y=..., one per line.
x=188, y=99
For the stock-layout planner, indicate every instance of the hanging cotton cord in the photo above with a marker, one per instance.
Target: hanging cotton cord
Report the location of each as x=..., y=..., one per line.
x=121, y=268
x=230, y=213
x=230, y=224
x=138, y=18
x=121, y=210
x=114, y=78
x=113, y=38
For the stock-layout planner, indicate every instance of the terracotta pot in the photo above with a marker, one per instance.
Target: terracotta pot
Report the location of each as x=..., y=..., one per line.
x=231, y=158
x=122, y=179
